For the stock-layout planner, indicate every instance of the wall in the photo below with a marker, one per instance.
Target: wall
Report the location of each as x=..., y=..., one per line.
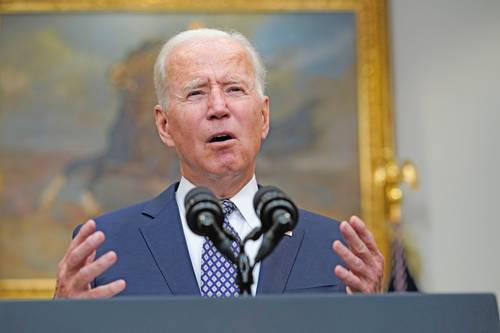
x=446, y=63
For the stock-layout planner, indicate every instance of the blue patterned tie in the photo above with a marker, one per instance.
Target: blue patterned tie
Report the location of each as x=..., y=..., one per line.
x=218, y=274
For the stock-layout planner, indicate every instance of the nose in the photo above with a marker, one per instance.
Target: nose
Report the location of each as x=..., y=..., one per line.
x=217, y=106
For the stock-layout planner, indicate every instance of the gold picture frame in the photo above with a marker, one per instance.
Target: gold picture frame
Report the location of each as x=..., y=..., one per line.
x=374, y=100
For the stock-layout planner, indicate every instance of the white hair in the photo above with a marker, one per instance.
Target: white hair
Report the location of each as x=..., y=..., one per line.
x=160, y=69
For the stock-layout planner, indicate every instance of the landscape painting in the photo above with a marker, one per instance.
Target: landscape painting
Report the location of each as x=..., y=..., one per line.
x=77, y=136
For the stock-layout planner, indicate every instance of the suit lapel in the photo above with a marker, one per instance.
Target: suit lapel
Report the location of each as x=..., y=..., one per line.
x=167, y=244
x=276, y=268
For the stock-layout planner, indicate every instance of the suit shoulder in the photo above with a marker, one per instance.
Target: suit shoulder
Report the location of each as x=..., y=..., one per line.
x=125, y=212
x=117, y=219
x=316, y=222
x=305, y=214
x=123, y=217
x=128, y=218
x=142, y=210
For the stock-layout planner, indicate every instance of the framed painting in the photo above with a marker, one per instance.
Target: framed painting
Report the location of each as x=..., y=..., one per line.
x=77, y=136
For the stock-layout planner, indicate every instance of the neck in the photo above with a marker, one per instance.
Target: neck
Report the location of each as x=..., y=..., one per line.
x=225, y=186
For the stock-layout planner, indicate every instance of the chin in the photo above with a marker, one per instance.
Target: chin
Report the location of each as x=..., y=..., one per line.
x=226, y=168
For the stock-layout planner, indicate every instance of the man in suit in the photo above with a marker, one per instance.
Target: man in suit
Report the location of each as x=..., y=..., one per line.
x=213, y=111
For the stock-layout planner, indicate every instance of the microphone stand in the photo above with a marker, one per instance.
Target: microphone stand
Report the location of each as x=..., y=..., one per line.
x=244, y=277
x=204, y=216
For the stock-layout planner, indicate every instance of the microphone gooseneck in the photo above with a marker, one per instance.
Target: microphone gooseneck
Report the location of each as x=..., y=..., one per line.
x=278, y=215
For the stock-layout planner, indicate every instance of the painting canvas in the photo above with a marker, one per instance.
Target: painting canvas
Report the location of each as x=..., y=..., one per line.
x=77, y=136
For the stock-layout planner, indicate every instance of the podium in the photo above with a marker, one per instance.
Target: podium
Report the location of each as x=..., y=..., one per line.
x=418, y=313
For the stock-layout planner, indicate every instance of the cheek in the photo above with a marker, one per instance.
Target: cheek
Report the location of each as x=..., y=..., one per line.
x=178, y=134
x=248, y=113
x=185, y=124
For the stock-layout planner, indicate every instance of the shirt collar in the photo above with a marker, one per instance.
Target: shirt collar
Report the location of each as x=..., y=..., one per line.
x=243, y=199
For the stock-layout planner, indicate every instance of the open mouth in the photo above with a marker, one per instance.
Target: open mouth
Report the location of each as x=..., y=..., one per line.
x=220, y=138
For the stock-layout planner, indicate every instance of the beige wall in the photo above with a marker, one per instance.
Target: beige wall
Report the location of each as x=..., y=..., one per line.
x=446, y=61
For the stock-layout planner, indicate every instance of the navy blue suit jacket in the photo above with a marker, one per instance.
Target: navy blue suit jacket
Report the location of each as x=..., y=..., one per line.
x=153, y=257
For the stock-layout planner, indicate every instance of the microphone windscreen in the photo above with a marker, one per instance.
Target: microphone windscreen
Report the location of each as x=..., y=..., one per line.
x=200, y=201
x=269, y=199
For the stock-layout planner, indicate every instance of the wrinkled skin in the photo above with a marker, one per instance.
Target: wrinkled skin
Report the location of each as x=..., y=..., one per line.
x=212, y=92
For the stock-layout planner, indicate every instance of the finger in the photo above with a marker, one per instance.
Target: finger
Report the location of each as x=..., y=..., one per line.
x=89, y=272
x=353, y=282
x=85, y=231
x=366, y=236
x=90, y=258
x=79, y=255
x=107, y=290
x=355, y=243
x=350, y=259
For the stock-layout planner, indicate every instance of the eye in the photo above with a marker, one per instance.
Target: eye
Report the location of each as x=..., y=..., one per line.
x=195, y=94
x=235, y=90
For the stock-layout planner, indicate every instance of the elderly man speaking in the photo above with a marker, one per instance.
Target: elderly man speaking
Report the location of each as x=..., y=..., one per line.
x=212, y=110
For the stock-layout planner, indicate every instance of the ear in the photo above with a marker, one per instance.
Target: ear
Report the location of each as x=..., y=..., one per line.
x=265, y=117
x=163, y=126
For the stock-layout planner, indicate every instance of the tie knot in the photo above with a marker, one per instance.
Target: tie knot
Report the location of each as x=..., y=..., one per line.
x=228, y=207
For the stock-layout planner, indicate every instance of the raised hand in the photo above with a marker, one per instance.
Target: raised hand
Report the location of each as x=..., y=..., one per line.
x=364, y=261
x=78, y=268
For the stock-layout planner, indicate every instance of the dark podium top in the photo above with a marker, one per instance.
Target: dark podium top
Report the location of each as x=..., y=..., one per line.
x=408, y=313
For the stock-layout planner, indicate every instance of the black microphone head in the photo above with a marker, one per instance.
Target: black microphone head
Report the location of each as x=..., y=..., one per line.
x=201, y=200
x=268, y=200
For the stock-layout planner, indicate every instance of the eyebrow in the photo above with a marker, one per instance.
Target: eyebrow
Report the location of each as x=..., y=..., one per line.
x=201, y=83
x=236, y=79
x=194, y=84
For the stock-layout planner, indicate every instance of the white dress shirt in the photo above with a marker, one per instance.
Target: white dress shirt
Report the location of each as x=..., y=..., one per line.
x=243, y=221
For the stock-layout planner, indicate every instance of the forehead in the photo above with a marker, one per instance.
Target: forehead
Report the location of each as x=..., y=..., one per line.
x=216, y=55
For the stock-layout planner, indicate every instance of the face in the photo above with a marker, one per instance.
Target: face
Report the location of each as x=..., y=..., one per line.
x=216, y=119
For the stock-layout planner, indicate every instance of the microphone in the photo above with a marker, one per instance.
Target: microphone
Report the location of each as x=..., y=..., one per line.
x=278, y=214
x=204, y=216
